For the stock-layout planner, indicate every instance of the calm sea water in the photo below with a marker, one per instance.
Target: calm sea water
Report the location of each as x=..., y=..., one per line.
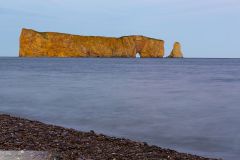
x=191, y=105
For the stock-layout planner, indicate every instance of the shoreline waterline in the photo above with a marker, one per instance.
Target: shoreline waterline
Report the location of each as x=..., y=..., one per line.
x=23, y=134
x=189, y=105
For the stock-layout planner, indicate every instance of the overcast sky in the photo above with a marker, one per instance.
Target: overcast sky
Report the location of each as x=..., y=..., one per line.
x=206, y=28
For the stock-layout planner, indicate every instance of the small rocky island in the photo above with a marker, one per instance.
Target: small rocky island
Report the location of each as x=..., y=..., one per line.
x=177, y=51
x=53, y=44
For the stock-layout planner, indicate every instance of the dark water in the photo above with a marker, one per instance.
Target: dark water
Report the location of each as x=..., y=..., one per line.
x=191, y=105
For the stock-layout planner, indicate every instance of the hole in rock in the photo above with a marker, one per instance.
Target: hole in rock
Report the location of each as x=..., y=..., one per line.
x=138, y=55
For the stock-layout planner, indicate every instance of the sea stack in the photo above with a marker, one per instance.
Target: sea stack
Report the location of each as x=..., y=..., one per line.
x=176, y=52
x=53, y=44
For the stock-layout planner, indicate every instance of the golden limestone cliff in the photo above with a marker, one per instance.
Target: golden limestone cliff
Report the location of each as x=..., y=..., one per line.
x=177, y=51
x=51, y=44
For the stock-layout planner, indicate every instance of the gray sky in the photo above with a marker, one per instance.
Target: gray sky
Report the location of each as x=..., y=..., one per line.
x=206, y=28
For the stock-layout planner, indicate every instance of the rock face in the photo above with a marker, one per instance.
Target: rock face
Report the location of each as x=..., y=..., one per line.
x=51, y=44
x=176, y=52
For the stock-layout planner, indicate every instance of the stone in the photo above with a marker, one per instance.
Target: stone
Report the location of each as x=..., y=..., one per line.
x=52, y=44
x=176, y=52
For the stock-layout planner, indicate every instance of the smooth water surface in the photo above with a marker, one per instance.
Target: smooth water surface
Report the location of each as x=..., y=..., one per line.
x=191, y=105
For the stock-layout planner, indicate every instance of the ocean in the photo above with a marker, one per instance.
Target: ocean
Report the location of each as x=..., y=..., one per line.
x=189, y=105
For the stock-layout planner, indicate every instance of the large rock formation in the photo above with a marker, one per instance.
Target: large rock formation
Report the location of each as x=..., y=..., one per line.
x=51, y=44
x=176, y=52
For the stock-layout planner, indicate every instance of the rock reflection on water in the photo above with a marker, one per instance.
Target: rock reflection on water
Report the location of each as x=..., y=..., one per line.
x=191, y=105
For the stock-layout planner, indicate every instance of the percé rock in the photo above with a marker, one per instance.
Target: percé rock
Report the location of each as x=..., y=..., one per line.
x=176, y=52
x=52, y=44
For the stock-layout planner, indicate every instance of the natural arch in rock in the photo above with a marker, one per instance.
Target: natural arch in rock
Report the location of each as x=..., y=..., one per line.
x=52, y=44
x=138, y=55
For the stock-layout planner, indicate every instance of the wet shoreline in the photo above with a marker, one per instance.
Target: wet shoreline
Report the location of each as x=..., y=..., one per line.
x=23, y=134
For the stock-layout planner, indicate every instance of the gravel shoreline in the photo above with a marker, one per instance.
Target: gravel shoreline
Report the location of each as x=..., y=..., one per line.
x=23, y=134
